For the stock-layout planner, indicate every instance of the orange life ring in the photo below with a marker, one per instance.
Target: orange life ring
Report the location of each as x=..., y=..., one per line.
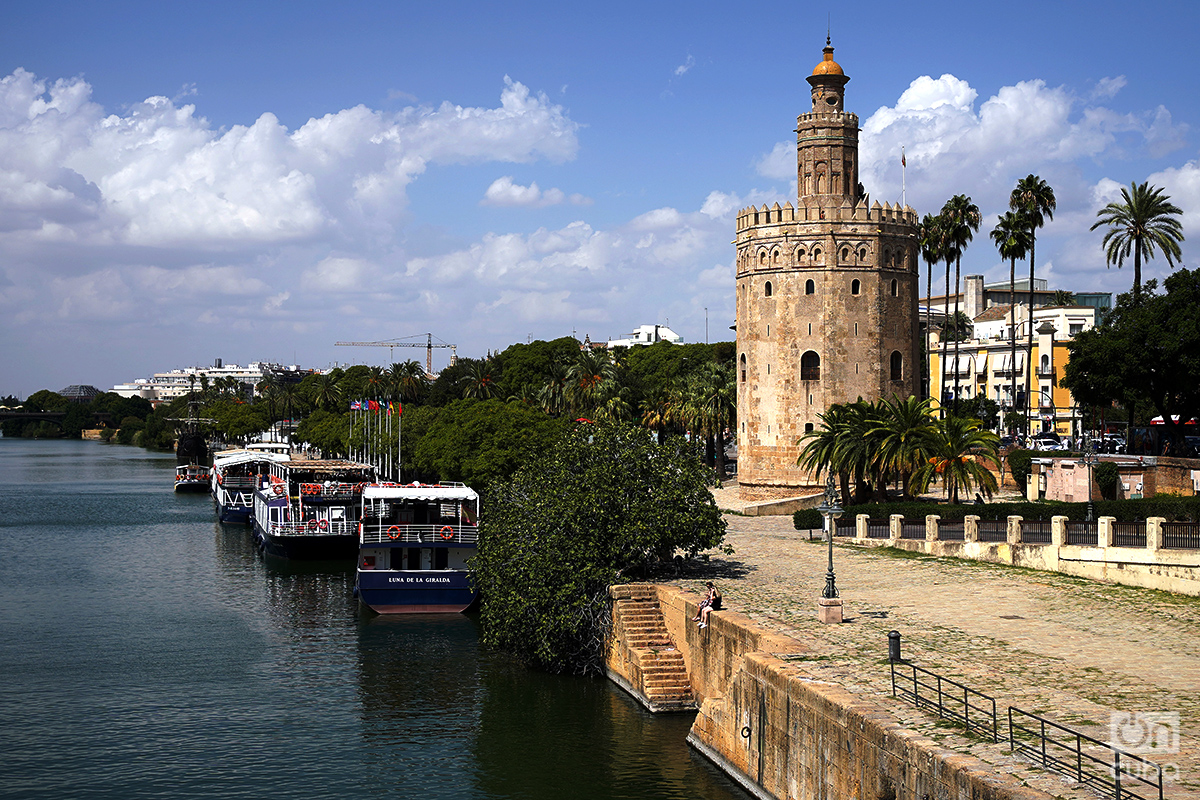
x=312, y=525
x=323, y=524
x=447, y=532
x=394, y=532
x=278, y=490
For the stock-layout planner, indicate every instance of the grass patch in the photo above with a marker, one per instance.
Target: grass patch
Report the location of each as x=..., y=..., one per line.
x=898, y=552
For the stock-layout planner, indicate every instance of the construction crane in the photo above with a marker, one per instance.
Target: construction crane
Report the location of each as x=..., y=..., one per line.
x=428, y=344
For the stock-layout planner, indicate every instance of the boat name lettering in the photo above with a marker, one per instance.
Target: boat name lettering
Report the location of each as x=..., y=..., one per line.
x=419, y=579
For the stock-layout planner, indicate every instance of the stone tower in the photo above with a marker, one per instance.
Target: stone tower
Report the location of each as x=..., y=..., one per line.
x=826, y=297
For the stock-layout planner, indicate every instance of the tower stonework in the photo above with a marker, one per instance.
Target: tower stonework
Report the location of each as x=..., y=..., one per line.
x=826, y=297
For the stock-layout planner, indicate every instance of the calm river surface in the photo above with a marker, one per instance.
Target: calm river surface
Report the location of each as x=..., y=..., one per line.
x=146, y=651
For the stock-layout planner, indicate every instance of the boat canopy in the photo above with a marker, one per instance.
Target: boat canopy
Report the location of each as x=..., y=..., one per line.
x=234, y=457
x=419, y=492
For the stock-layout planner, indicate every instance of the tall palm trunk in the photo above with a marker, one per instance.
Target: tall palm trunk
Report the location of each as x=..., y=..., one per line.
x=957, y=333
x=945, y=331
x=928, y=318
x=1012, y=333
x=1137, y=270
x=1029, y=339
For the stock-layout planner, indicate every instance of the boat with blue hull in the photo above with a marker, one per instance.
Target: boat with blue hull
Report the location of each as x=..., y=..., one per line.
x=415, y=543
x=237, y=473
x=309, y=509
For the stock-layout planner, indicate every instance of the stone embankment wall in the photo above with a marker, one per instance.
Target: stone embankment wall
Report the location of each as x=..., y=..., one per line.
x=782, y=734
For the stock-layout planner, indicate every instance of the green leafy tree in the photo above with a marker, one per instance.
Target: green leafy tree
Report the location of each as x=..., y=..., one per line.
x=480, y=381
x=1147, y=220
x=1146, y=351
x=603, y=502
x=960, y=220
x=1033, y=198
x=481, y=442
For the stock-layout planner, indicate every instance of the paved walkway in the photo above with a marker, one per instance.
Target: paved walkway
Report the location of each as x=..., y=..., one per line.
x=1072, y=650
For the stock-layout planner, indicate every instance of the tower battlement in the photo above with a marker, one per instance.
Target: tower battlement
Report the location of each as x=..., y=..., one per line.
x=826, y=117
x=822, y=209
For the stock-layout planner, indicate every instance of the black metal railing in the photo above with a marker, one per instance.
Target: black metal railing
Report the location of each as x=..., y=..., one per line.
x=952, y=700
x=1181, y=536
x=1085, y=534
x=1089, y=761
x=951, y=531
x=846, y=527
x=1035, y=531
x=879, y=529
x=993, y=530
x=912, y=530
x=1129, y=534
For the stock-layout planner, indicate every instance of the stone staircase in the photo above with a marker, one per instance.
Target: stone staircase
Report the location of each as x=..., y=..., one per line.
x=653, y=670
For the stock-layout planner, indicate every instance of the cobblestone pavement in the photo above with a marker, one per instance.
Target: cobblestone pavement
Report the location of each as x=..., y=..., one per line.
x=1072, y=650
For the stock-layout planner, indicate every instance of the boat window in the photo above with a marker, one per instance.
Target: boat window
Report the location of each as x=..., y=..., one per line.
x=441, y=558
x=414, y=558
x=337, y=512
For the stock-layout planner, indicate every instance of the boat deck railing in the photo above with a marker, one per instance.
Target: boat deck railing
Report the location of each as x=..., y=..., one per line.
x=385, y=533
x=236, y=499
x=237, y=482
x=315, y=527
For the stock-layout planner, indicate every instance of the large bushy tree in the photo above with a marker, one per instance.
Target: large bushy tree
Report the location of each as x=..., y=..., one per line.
x=604, y=502
x=1147, y=350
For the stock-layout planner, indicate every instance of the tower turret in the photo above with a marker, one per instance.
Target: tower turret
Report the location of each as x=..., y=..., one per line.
x=827, y=138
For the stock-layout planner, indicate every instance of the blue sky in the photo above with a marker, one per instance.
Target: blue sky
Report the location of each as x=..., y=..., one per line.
x=183, y=182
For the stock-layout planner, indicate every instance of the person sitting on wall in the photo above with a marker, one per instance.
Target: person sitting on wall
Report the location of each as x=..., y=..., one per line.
x=710, y=603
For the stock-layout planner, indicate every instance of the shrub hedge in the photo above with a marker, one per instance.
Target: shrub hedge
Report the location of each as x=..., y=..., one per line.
x=1171, y=507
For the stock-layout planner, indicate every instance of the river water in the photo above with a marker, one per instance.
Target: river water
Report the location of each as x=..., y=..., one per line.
x=147, y=651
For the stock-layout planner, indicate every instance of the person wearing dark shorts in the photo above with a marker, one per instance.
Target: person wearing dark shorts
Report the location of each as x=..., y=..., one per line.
x=710, y=603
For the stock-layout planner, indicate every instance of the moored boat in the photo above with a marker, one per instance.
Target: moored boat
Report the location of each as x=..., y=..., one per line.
x=237, y=473
x=415, y=542
x=305, y=509
x=191, y=477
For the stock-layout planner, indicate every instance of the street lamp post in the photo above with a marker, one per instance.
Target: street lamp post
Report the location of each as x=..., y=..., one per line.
x=829, y=605
x=1089, y=458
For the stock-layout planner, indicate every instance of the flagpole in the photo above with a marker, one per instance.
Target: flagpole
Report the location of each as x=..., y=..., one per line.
x=903, y=186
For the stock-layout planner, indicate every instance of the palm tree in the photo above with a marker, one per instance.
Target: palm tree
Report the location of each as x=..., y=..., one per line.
x=905, y=426
x=656, y=414
x=929, y=238
x=584, y=379
x=712, y=399
x=479, y=382
x=1013, y=238
x=409, y=380
x=326, y=393
x=821, y=448
x=956, y=449
x=1145, y=221
x=1063, y=298
x=960, y=220
x=1033, y=198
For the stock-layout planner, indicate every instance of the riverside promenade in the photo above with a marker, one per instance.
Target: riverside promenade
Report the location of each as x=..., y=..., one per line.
x=1074, y=651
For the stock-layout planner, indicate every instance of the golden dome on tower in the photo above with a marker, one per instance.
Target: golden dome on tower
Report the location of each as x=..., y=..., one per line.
x=827, y=65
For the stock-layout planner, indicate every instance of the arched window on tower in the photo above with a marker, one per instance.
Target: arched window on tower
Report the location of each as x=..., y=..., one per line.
x=845, y=255
x=855, y=286
x=810, y=287
x=895, y=286
x=897, y=366
x=767, y=290
x=775, y=255
x=810, y=366
x=743, y=363
x=762, y=258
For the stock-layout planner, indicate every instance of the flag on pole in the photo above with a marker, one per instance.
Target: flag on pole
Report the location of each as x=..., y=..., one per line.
x=903, y=162
x=355, y=405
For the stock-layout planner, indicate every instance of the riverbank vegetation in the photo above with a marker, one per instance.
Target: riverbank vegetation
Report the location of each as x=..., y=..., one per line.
x=475, y=422
x=603, y=504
